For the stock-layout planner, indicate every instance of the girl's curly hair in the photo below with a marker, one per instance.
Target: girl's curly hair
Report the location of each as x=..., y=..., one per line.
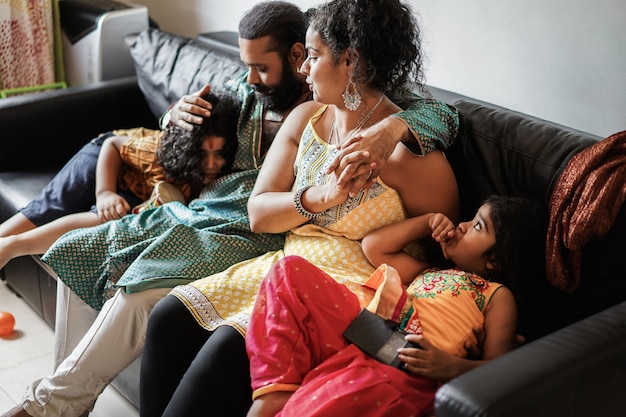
x=180, y=150
x=384, y=33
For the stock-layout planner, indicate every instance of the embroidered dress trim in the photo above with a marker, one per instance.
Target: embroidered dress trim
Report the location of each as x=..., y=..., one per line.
x=204, y=312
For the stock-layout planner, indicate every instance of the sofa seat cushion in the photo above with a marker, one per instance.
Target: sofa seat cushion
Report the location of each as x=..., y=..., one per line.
x=18, y=188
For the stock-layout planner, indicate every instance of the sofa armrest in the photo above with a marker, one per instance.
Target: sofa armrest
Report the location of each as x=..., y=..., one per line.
x=45, y=129
x=579, y=370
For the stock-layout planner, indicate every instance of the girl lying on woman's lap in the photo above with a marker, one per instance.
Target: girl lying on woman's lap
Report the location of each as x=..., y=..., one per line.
x=302, y=365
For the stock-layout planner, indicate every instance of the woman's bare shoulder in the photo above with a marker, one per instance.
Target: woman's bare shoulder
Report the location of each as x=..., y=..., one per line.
x=299, y=117
x=307, y=108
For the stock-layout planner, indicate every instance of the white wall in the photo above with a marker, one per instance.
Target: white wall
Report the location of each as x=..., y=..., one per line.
x=561, y=60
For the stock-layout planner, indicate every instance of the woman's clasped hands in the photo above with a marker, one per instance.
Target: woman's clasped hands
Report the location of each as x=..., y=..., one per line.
x=361, y=158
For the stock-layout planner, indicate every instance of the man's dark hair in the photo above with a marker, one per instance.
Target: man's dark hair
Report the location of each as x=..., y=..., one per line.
x=284, y=22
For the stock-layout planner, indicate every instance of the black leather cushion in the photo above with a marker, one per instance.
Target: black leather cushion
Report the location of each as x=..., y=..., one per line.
x=169, y=66
x=504, y=152
x=18, y=188
x=564, y=374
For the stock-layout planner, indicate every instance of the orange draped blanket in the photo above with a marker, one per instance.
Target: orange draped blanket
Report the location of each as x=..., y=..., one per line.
x=584, y=206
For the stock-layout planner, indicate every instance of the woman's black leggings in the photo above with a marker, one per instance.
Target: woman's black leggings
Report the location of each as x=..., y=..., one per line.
x=187, y=371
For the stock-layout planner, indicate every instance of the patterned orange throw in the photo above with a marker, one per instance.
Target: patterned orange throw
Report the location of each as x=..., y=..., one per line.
x=584, y=206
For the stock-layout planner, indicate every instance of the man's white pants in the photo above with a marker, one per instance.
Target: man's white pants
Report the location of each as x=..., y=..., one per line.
x=91, y=349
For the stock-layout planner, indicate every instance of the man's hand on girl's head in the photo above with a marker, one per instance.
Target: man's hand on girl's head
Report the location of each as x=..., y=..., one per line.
x=190, y=110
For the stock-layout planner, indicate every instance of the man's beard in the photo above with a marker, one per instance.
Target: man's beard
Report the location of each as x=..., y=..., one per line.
x=283, y=96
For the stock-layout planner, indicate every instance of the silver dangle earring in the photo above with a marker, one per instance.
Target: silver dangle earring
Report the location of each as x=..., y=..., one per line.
x=351, y=97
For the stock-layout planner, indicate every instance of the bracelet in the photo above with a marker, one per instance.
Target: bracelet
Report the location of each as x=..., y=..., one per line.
x=297, y=201
x=165, y=119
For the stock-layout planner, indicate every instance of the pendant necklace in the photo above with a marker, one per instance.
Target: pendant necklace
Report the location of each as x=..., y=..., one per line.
x=333, y=129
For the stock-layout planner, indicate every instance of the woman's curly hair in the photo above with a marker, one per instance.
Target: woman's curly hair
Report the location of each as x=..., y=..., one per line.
x=384, y=33
x=180, y=151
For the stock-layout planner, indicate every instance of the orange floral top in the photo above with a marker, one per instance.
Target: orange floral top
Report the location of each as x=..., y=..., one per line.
x=443, y=305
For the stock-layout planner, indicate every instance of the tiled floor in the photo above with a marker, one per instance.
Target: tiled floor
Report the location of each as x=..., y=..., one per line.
x=27, y=354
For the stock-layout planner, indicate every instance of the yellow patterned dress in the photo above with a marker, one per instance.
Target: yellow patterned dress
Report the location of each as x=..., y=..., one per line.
x=331, y=241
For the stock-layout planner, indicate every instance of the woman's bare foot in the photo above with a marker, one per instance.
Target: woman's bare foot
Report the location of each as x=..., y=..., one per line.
x=16, y=411
x=268, y=405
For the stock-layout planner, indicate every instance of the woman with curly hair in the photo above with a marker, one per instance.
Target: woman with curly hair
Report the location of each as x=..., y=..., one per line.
x=142, y=165
x=359, y=53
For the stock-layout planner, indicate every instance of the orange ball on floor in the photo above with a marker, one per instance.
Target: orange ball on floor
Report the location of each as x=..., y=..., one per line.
x=7, y=323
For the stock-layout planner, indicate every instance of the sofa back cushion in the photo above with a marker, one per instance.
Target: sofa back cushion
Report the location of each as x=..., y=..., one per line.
x=500, y=151
x=503, y=152
x=169, y=66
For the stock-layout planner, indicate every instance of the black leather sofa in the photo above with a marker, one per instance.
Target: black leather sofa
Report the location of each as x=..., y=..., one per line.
x=575, y=360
